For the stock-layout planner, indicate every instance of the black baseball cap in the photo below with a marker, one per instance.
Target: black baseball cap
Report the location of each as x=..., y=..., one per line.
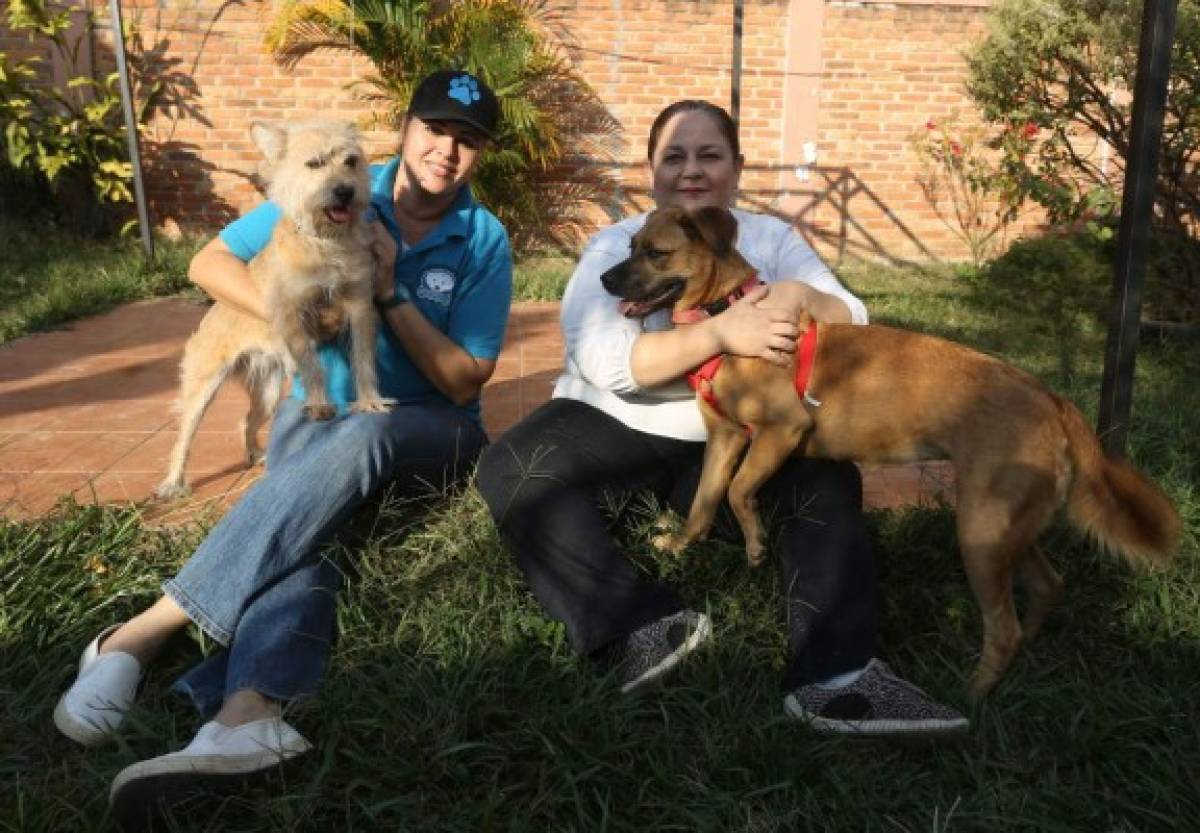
x=455, y=95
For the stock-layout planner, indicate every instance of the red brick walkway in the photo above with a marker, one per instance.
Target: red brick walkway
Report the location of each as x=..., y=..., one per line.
x=85, y=411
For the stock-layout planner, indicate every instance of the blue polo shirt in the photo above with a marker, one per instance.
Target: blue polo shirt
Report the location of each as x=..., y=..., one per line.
x=459, y=277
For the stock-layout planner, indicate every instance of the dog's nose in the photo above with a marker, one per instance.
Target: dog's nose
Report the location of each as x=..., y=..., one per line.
x=612, y=280
x=344, y=193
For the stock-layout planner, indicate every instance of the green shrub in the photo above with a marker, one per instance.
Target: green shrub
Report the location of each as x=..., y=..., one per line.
x=1075, y=271
x=1053, y=289
x=1173, y=279
x=1056, y=273
x=1067, y=67
x=64, y=150
x=970, y=176
x=71, y=138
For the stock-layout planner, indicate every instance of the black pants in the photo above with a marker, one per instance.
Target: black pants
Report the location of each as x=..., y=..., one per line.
x=545, y=481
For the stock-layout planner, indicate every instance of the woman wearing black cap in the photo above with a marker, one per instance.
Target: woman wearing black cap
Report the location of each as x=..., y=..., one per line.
x=258, y=585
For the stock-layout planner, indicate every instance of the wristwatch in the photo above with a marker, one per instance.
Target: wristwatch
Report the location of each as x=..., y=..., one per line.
x=400, y=296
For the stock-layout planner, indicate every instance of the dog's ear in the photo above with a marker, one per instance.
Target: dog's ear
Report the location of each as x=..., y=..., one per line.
x=271, y=140
x=716, y=226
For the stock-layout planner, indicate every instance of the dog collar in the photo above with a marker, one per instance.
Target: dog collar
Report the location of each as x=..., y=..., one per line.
x=691, y=316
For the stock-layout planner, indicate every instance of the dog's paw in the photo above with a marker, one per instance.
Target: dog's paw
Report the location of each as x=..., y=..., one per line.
x=666, y=520
x=321, y=413
x=377, y=405
x=171, y=489
x=982, y=681
x=671, y=543
x=756, y=551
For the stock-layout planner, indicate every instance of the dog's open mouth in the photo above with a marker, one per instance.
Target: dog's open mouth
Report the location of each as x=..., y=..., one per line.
x=666, y=295
x=338, y=214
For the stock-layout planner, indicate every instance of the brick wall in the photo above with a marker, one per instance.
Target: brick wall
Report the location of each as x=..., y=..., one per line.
x=201, y=163
x=848, y=80
x=888, y=68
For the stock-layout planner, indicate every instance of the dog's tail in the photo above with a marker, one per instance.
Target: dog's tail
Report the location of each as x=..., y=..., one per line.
x=1113, y=502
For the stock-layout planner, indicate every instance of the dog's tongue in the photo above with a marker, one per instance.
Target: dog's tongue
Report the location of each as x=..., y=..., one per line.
x=338, y=215
x=632, y=309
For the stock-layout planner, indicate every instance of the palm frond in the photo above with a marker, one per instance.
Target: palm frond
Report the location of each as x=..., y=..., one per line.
x=302, y=28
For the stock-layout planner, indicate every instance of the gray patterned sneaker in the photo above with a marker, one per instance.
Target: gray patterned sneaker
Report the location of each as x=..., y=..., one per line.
x=648, y=653
x=878, y=703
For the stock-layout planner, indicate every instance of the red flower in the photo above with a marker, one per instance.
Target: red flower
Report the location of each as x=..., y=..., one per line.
x=1030, y=130
x=931, y=125
x=956, y=148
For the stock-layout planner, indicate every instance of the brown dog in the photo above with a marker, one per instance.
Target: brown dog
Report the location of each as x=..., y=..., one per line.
x=880, y=395
x=316, y=271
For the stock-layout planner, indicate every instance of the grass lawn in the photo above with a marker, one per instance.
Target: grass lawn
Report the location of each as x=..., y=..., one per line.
x=48, y=276
x=541, y=278
x=452, y=704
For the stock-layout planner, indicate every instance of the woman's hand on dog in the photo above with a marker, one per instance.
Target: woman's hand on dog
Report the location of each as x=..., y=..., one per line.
x=753, y=328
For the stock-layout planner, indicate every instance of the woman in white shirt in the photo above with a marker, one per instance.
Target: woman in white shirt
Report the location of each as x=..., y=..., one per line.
x=623, y=420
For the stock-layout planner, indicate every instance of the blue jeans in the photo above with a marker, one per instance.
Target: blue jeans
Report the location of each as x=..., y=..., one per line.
x=260, y=585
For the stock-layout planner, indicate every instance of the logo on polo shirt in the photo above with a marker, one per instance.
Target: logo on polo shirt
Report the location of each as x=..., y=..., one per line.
x=437, y=285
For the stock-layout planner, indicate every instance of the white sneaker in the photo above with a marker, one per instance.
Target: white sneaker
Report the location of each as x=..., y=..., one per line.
x=96, y=703
x=218, y=755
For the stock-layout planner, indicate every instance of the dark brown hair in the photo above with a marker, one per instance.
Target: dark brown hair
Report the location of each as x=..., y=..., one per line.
x=693, y=105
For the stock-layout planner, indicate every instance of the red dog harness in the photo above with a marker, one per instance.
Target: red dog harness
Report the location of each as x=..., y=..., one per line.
x=701, y=379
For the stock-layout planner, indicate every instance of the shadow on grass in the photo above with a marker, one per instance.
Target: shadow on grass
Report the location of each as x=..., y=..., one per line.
x=452, y=703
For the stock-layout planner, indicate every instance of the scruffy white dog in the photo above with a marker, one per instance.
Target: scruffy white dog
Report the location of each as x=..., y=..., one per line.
x=317, y=268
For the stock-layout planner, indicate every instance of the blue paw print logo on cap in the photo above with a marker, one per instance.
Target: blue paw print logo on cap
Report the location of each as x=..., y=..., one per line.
x=464, y=89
